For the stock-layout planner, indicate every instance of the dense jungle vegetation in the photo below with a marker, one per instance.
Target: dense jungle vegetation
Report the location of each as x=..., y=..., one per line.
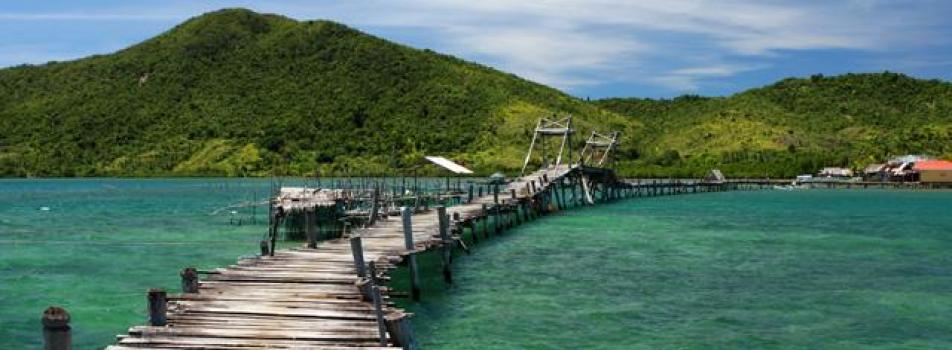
x=236, y=93
x=791, y=127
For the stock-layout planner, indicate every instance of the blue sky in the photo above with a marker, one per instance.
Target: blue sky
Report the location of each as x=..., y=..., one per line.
x=596, y=48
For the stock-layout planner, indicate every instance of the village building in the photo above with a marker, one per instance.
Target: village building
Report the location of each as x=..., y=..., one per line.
x=934, y=171
x=835, y=172
x=875, y=172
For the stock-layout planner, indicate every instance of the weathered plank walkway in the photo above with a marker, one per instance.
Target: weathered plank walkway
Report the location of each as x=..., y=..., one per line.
x=309, y=298
x=332, y=296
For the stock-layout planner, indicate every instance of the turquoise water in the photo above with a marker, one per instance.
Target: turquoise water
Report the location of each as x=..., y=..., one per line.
x=742, y=270
x=104, y=242
x=799, y=269
x=94, y=246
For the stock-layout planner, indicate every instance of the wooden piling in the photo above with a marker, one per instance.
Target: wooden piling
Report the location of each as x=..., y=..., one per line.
x=264, y=247
x=378, y=311
x=405, y=214
x=158, y=304
x=447, y=243
x=374, y=206
x=189, y=280
x=484, y=213
x=56, y=330
x=357, y=249
x=310, y=227
x=401, y=331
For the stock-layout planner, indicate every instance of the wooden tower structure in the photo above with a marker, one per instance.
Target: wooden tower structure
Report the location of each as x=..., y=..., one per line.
x=546, y=128
x=599, y=150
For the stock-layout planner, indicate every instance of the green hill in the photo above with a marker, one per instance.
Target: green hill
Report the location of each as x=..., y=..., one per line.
x=234, y=92
x=237, y=93
x=793, y=126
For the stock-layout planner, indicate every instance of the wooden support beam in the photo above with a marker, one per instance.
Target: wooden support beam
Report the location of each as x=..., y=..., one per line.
x=401, y=330
x=157, y=307
x=374, y=206
x=405, y=214
x=484, y=213
x=447, y=243
x=378, y=312
x=469, y=199
x=56, y=330
x=189, y=280
x=310, y=227
x=496, y=193
x=357, y=249
x=265, y=250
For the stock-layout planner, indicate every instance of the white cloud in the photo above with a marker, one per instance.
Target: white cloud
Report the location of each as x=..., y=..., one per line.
x=687, y=80
x=563, y=42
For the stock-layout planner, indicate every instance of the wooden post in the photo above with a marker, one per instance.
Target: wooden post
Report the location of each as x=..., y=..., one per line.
x=573, y=182
x=525, y=210
x=189, y=280
x=310, y=227
x=378, y=311
x=512, y=193
x=457, y=227
x=496, y=220
x=401, y=331
x=358, y=251
x=405, y=214
x=447, y=248
x=561, y=188
x=264, y=247
x=374, y=207
x=485, y=215
x=496, y=193
x=276, y=223
x=56, y=331
x=157, y=307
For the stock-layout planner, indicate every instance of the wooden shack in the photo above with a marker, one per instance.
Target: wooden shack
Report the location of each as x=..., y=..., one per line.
x=934, y=171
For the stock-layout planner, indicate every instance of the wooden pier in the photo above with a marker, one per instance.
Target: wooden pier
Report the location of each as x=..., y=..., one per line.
x=334, y=295
x=331, y=292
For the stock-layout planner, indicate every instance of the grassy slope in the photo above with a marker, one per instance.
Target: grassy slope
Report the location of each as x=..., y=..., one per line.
x=793, y=126
x=234, y=92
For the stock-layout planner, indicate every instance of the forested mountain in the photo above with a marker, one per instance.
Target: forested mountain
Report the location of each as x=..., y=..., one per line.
x=235, y=92
x=238, y=93
x=793, y=126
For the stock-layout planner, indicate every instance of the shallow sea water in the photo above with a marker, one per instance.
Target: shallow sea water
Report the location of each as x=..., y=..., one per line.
x=767, y=269
x=742, y=270
x=94, y=246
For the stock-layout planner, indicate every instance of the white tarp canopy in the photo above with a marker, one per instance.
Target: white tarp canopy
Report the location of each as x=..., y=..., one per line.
x=448, y=165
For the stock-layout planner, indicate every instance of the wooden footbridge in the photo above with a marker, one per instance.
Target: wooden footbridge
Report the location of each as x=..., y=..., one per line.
x=333, y=294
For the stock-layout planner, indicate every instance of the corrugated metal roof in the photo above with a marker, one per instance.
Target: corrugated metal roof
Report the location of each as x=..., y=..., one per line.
x=933, y=165
x=448, y=165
